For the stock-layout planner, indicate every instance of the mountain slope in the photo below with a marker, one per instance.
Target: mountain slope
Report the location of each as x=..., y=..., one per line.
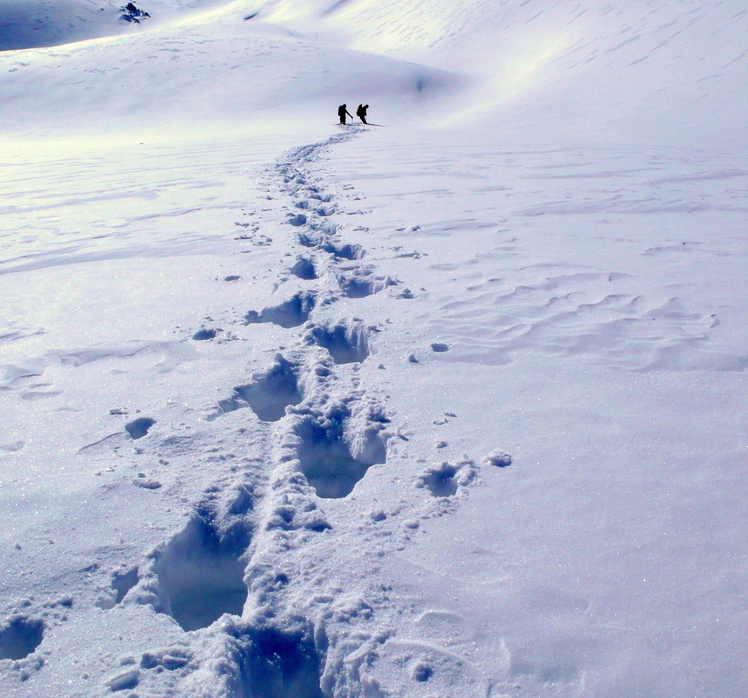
x=452, y=405
x=659, y=72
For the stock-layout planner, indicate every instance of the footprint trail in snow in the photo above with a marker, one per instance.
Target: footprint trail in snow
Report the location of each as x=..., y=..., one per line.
x=287, y=542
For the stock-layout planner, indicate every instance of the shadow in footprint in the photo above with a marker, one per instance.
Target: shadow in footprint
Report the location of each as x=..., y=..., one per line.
x=291, y=313
x=309, y=240
x=122, y=583
x=326, y=461
x=204, y=334
x=445, y=479
x=304, y=269
x=297, y=220
x=343, y=250
x=273, y=392
x=320, y=240
x=138, y=428
x=346, y=342
x=20, y=637
x=280, y=663
x=268, y=396
x=363, y=283
x=200, y=574
x=441, y=480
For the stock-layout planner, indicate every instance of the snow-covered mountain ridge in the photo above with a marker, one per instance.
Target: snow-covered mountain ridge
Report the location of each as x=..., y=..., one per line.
x=674, y=70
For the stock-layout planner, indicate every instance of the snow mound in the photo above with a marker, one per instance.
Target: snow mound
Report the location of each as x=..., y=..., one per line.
x=26, y=24
x=37, y=23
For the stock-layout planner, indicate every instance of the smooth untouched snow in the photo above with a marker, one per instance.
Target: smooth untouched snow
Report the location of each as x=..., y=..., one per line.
x=448, y=406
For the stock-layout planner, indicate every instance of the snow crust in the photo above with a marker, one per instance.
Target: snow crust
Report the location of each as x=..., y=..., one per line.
x=448, y=405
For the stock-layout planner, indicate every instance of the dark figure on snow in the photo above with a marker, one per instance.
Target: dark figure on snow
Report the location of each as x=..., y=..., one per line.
x=361, y=112
x=342, y=111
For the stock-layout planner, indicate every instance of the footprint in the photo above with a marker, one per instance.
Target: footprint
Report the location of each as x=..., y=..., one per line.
x=268, y=396
x=138, y=428
x=346, y=250
x=442, y=480
x=321, y=239
x=202, y=335
x=346, y=342
x=308, y=240
x=325, y=457
x=280, y=662
x=297, y=220
x=272, y=392
x=304, y=269
x=20, y=636
x=291, y=313
x=200, y=573
x=362, y=283
x=122, y=582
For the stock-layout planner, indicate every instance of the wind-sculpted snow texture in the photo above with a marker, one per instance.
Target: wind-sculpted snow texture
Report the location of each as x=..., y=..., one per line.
x=429, y=409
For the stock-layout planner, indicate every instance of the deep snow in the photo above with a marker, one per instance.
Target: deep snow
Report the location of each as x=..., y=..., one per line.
x=451, y=406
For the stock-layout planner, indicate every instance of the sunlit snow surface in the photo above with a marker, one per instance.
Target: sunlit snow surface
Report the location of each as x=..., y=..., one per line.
x=452, y=406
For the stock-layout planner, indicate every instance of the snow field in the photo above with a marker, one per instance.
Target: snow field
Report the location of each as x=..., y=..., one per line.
x=295, y=410
x=626, y=444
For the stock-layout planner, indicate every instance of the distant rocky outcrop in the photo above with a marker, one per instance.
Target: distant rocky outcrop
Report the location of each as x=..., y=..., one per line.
x=130, y=13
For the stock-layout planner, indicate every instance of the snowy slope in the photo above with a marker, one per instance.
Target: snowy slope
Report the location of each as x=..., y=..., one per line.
x=450, y=407
x=37, y=23
x=204, y=69
x=653, y=72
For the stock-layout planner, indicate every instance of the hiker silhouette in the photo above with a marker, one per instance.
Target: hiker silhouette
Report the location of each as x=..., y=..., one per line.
x=342, y=111
x=361, y=112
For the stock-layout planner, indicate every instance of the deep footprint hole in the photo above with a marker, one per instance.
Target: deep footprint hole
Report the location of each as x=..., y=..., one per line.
x=204, y=334
x=297, y=220
x=291, y=313
x=273, y=392
x=200, y=573
x=347, y=343
x=308, y=240
x=138, y=428
x=123, y=582
x=355, y=287
x=304, y=269
x=281, y=664
x=441, y=481
x=327, y=463
x=347, y=250
x=20, y=637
